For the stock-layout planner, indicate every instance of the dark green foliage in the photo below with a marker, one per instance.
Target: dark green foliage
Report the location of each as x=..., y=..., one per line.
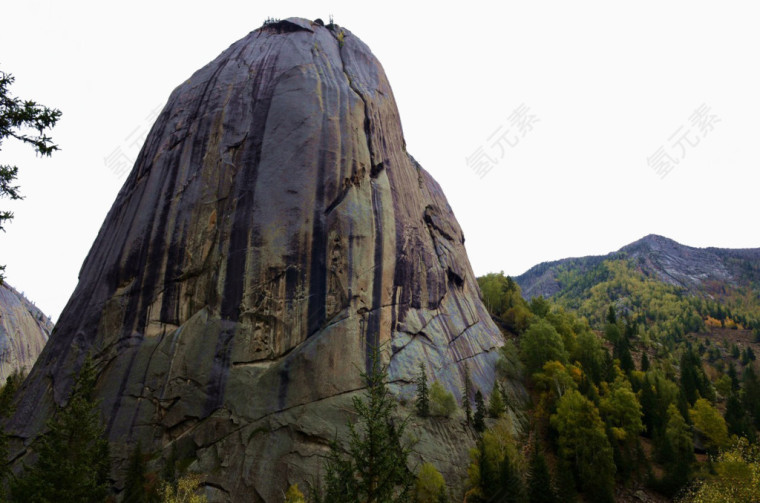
x=540, y=487
x=375, y=469
x=541, y=343
x=7, y=393
x=511, y=487
x=731, y=373
x=735, y=351
x=509, y=365
x=539, y=306
x=566, y=488
x=498, y=477
x=694, y=382
x=621, y=411
x=422, y=403
x=489, y=474
x=496, y=402
x=478, y=420
x=169, y=470
x=751, y=395
x=609, y=367
x=135, y=485
x=592, y=356
x=737, y=418
x=676, y=453
x=442, y=401
x=656, y=394
x=644, y=361
x=583, y=442
x=503, y=299
x=662, y=307
x=667, y=324
x=611, y=316
x=622, y=352
x=73, y=459
x=16, y=117
x=748, y=356
x=648, y=400
x=612, y=333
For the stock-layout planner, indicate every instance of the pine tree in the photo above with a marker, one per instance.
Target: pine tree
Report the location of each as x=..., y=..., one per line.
x=731, y=373
x=611, y=316
x=677, y=452
x=375, y=469
x=135, y=483
x=539, y=479
x=751, y=396
x=694, y=382
x=488, y=474
x=566, y=490
x=7, y=393
x=423, y=397
x=478, y=421
x=583, y=442
x=644, y=361
x=512, y=489
x=496, y=402
x=73, y=462
x=622, y=352
x=736, y=418
x=17, y=119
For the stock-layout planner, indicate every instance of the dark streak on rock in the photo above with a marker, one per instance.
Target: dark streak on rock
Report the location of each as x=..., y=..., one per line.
x=219, y=370
x=318, y=268
x=262, y=89
x=373, y=328
x=376, y=169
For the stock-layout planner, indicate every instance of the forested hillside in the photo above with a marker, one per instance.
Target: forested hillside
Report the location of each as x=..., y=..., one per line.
x=642, y=371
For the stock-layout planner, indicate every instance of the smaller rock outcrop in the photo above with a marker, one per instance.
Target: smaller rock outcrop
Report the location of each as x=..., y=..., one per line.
x=24, y=330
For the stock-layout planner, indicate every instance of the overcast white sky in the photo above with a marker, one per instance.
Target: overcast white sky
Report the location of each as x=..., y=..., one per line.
x=608, y=84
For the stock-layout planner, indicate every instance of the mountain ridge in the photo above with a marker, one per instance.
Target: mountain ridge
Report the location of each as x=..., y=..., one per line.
x=697, y=270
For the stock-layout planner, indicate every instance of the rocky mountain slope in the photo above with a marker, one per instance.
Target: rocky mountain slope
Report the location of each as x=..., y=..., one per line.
x=24, y=330
x=709, y=271
x=271, y=233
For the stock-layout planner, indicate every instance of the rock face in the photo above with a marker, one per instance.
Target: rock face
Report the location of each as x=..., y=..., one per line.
x=272, y=231
x=694, y=268
x=697, y=270
x=24, y=330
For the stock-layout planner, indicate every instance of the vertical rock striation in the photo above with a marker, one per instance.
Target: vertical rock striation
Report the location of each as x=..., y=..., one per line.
x=24, y=330
x=273, y=229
